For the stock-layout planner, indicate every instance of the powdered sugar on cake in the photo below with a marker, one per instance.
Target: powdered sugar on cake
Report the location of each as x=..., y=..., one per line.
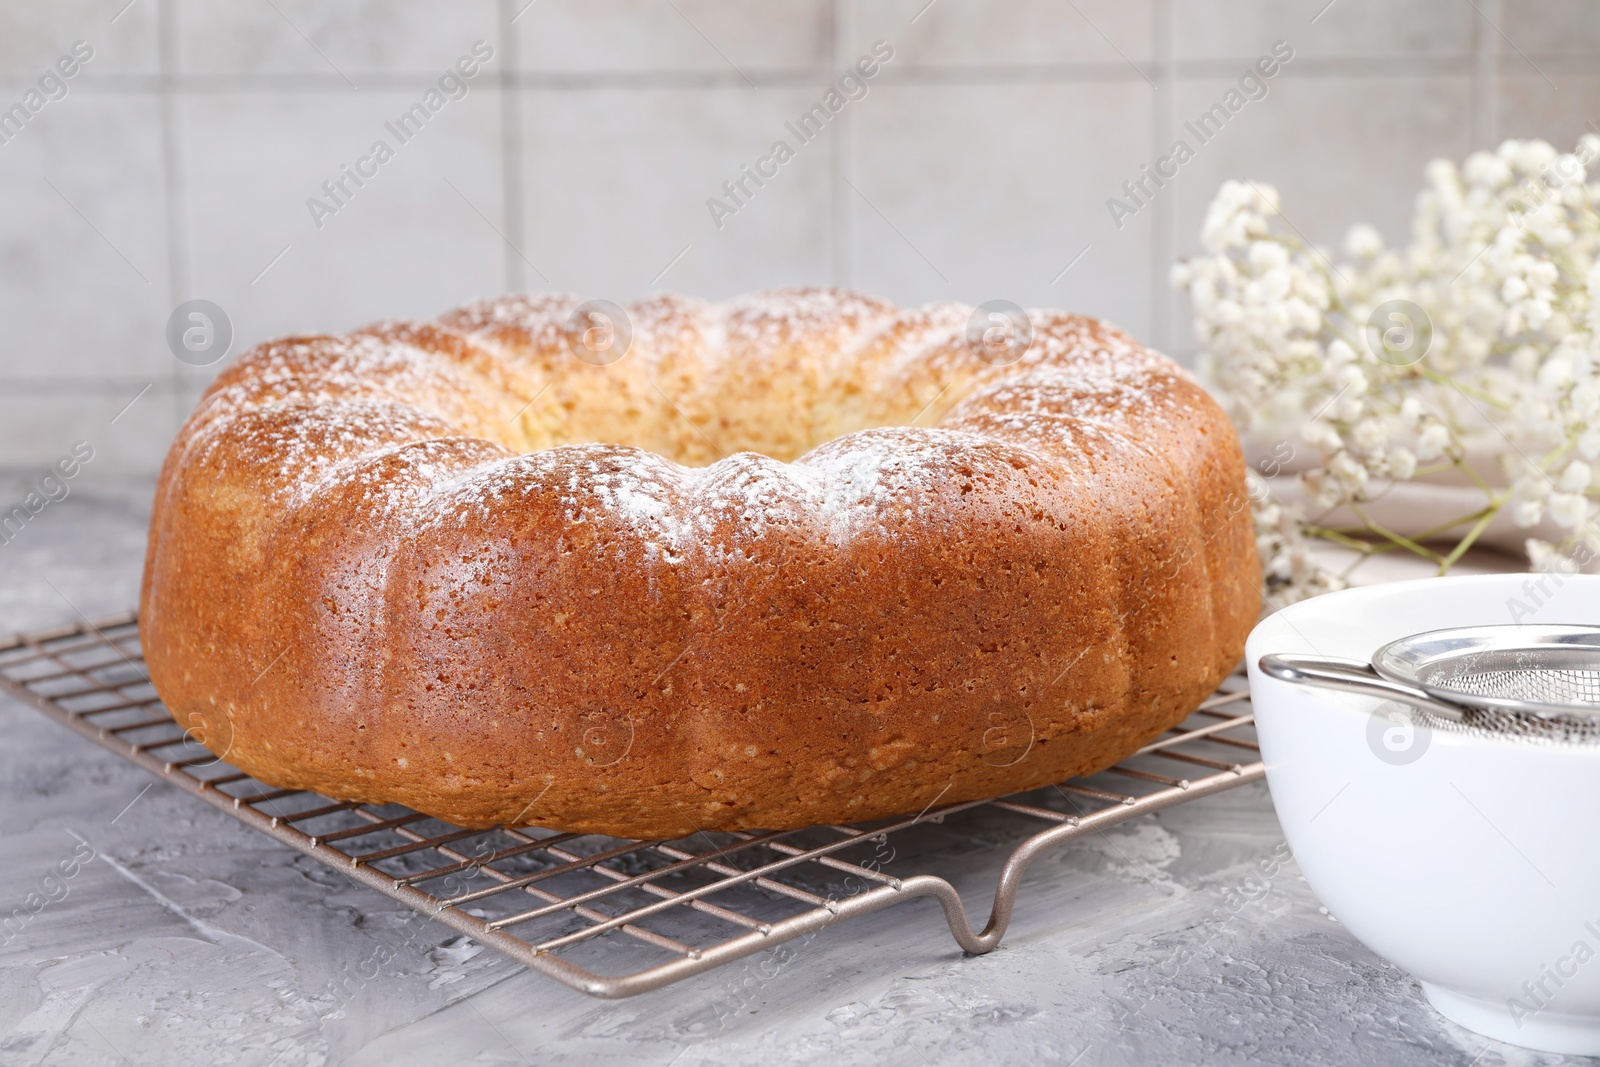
x=390, y=424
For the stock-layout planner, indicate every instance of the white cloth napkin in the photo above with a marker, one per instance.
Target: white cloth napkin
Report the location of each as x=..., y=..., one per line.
x=1409, y=508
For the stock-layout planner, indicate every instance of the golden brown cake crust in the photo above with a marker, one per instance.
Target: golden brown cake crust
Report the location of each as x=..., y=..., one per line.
x=828, y=566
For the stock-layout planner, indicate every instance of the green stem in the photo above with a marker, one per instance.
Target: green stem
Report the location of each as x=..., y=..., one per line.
x=1428, y=535
x=1472, y=535
x=1470, y=390
x=1473, y=476
x=1338, y=538
x=1400, y=539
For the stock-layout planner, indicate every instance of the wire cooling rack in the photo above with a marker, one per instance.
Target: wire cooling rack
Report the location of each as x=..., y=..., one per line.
x=660, y=910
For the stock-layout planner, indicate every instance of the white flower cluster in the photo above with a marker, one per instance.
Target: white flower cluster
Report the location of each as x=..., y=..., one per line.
x=1288, y=568
x=1479, y=338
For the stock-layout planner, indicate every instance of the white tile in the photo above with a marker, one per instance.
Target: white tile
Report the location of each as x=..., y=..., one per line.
x=345, y=39
x=1000, y=188
x=1528, y=106
x=36, y=35
x=404, y=245
x=83, y=250
x=1342, y=29
x=965, y=33
x=617, y=184
x=1549, y=28
x=684, y=35
x=1339, y=150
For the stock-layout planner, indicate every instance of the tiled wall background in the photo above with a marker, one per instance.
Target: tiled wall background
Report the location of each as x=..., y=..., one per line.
x=978, y=166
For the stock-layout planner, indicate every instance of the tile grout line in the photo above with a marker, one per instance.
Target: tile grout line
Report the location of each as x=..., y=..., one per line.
x=1196, y=70
x=385, y=81
x=81, y=386
x=1163, y=30
x=840, y=16
x=1484, y=118
x=178, y=267
x=511, y=178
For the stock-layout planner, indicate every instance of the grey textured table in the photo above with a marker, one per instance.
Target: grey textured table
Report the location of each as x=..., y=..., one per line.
x=191, y=939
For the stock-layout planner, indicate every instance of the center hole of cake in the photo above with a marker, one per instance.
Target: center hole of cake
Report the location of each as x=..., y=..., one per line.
x=782, y=409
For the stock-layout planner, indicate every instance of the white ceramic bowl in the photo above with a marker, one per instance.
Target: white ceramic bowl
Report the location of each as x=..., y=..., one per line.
x=1470, y=862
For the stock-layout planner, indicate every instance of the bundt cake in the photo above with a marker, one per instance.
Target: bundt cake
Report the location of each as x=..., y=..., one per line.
x=803, y=557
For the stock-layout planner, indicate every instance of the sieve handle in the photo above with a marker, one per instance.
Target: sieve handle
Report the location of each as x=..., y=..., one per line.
x=1351, y=675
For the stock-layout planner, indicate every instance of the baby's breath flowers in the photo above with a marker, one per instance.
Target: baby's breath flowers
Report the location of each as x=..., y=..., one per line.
x=1470, y=356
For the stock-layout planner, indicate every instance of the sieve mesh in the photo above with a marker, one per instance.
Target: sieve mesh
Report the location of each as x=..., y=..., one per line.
x=1543, y=685
x=1560, y=728
x=1529, y=674
x=1538, y=682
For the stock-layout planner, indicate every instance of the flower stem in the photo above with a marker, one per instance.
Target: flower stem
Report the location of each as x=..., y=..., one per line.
x=1472, y=535
x=1400, y=539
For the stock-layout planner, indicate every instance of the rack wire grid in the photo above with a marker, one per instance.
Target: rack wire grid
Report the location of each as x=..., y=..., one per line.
x=545, y=899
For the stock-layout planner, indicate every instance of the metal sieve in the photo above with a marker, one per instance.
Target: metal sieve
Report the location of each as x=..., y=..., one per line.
x=1532, y=681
